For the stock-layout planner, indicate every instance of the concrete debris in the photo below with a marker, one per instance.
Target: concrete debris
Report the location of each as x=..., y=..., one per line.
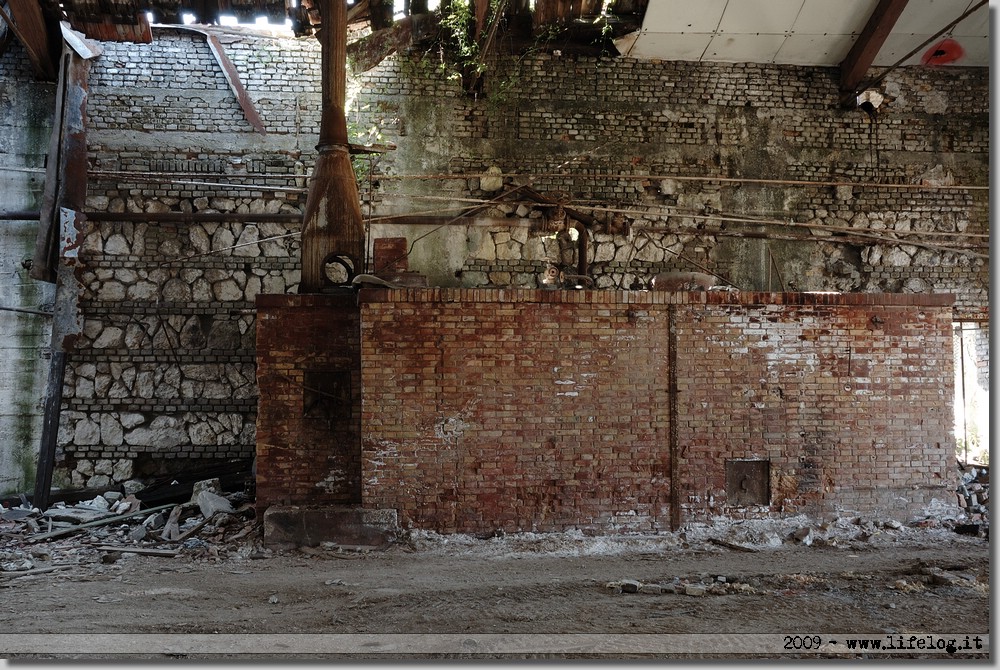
x=18, y=513
x=102, y=532
x=14, y=566
x=155, y=521
x=211, y=504
x=973, y=495
x=211, y=485
x=81, y=513
x=171, y=529
x=100, y=502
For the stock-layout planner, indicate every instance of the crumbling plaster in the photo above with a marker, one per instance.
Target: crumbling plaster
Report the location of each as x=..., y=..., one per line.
x=26, y=109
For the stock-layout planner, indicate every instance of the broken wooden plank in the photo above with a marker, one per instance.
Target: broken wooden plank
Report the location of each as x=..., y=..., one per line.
x=38, y=571
x=144, y=551
x=93, y=524
x=731, y=545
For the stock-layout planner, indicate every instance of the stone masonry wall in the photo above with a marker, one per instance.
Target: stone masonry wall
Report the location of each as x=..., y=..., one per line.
x=166, y=369
x=524, y=410
x=895, y=205
x=657, y=143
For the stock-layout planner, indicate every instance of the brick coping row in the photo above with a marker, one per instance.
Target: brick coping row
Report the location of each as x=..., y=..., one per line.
x=611, y=297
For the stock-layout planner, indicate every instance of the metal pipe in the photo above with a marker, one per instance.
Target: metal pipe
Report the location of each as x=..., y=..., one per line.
x=193, y=217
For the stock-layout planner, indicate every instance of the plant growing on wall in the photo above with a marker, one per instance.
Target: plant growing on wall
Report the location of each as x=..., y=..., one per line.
x=468, y=40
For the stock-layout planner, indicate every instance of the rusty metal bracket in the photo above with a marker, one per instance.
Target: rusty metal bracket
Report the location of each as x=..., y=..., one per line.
x=232, y=76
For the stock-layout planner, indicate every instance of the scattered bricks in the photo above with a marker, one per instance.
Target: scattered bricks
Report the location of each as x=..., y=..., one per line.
x=696, y=590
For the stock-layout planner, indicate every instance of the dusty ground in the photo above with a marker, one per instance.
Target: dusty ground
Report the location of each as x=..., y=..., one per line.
x=855, y=578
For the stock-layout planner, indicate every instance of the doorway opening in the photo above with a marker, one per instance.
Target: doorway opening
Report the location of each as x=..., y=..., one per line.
x=972, y=394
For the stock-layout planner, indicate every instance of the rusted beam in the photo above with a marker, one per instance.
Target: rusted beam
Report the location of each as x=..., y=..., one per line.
x=862, y=54
x=66, y=173
x=27, y=22
x=50, y=431
x=233, y=77
x=885, y=73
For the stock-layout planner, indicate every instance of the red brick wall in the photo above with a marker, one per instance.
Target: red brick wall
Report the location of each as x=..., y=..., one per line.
x=485, y=410
x=849, y=397
x=537, y=410
x=308, y=422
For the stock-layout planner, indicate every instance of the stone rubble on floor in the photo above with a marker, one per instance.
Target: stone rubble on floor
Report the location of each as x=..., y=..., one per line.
x=974, y=498
x=211, y=525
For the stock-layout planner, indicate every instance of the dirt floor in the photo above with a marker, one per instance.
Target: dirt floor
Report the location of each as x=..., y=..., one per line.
x=807, y=588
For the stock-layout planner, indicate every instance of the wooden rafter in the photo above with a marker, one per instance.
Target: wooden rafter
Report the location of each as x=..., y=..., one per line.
x=28, y=23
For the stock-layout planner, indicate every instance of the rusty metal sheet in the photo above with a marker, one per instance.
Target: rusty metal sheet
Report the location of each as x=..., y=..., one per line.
x=78, y=42
x=390, y=254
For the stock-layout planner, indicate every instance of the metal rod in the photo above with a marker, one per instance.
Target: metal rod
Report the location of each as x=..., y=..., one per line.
x=193, y=217
x=738, y=180
x=25, y=311
x=965, y=418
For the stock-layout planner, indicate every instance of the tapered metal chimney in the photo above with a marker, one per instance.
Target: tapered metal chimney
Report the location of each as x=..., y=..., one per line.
x=333, y=244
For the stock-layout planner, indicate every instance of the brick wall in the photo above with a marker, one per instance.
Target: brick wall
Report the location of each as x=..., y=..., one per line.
x=849, y=398
x=176, y=300
x=528, y=410
x=164, y=375
x=309, y=377
x=644, y=139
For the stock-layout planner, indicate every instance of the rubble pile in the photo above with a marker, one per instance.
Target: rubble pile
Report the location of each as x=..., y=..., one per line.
x=974, y=498
x=102, y=530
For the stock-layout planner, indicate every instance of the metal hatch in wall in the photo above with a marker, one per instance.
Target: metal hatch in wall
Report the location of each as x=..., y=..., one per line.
x=748, y=482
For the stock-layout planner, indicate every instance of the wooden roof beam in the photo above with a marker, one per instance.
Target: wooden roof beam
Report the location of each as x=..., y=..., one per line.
x=862, y=54
x=28, y=23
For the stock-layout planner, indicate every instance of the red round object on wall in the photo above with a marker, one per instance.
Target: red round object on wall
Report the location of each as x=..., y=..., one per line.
x=944, y=52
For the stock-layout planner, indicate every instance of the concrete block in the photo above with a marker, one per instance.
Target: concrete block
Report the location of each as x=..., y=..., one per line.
x=346, y=526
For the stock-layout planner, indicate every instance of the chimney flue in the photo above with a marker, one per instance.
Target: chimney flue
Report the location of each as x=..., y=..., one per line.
x=332, y=232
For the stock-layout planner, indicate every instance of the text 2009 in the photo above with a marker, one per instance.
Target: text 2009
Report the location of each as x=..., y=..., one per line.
x=803, y=642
